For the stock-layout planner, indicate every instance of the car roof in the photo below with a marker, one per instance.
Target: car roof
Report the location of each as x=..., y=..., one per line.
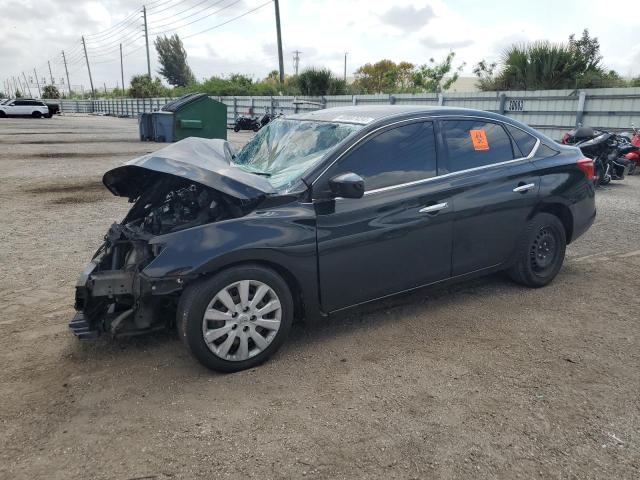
x=365, y=114
x=374, y=116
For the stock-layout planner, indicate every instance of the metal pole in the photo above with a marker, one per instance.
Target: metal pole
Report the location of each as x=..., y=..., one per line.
x=121, y=70
x=64, y=59
x=345, y=66
x=279, y=32
x=86, y=57
x=146, y=39
x=50, y=74
x=296, y=61
x=35, y=74
x=27, y=84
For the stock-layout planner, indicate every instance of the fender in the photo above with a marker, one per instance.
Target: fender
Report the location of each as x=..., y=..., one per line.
x=284, y=237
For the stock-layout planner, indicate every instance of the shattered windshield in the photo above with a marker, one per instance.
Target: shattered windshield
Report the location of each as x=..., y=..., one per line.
x=285, y=149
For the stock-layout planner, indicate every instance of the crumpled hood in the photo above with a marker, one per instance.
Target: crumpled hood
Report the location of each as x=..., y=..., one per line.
x=201, y=160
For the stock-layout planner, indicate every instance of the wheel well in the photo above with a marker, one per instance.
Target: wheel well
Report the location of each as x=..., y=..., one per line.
x=289, y=278
x=564, y=215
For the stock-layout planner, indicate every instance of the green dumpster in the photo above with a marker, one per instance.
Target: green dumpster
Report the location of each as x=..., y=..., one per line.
x=197, y=115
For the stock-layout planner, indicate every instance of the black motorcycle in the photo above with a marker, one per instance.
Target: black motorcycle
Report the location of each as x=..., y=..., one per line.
x=607, y=151
x=268, y=117
x=246, y=123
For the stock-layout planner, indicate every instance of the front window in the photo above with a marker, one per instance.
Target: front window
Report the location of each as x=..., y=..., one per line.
x=285, y=149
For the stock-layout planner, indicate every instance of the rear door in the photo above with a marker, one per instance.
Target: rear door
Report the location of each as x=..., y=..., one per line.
x=22, y=107
x=495, y=190
x=398, y=235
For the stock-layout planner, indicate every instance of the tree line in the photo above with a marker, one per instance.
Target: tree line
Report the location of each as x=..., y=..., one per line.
x=540, y=65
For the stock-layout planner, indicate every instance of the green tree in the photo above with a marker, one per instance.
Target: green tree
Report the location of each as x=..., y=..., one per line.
x=18, y=94
x=319, y=81
x=50, y=91
x=586, y=51
x=173, y=61
x=379, y=77
x=436, y=76
x=545, y=65
x=143, y=87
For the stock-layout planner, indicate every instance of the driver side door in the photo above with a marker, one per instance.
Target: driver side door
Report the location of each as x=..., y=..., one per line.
x=398, y=236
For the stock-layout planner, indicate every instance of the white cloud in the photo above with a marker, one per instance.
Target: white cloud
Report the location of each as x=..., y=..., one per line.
x=34, y=31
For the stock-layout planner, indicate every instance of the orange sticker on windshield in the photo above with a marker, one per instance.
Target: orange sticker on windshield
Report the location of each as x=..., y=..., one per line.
x=479, y=139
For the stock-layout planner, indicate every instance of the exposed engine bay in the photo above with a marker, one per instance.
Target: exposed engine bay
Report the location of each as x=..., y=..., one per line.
x=115, y=294
x=182, y=186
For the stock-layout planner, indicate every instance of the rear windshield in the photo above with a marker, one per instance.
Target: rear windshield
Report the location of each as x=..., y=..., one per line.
x=285, y=149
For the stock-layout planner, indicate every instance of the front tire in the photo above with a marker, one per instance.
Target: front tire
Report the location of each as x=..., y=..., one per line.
x=236, y=128
x=236, y=319
x=540, y=253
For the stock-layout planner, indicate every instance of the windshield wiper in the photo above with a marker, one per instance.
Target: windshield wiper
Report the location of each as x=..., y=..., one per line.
x=264, y=174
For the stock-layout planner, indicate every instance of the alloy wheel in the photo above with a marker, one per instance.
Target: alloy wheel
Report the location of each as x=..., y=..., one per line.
x=241, y=320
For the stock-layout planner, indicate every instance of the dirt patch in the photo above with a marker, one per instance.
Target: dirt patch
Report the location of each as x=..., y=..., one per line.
x=93, y=185
x=62, y=142
x=484, y=380
x=78, y=199
x=65, y=155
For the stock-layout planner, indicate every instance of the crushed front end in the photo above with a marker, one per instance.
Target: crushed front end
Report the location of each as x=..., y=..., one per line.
x=184, y=185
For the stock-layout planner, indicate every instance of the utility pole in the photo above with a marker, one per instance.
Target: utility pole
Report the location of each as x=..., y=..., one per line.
x=86, y=57
x=280, y=59
x=296, y=61
x=345, y=66
x=35, y=74
x=121, y=70
x=146, y=39
x=27, y=83
x=51, y=74
x=66, y=70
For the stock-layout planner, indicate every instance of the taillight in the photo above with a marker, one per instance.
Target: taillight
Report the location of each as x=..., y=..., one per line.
x=586, y=165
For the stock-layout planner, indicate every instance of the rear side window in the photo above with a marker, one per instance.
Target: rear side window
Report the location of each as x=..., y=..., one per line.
x=475, y=143
x=400, y=155
x=524, y=141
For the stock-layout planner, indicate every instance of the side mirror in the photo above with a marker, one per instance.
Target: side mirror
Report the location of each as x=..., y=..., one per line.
x=347, y=185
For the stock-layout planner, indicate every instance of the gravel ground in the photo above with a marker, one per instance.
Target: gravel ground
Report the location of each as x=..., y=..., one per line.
x=482, y=380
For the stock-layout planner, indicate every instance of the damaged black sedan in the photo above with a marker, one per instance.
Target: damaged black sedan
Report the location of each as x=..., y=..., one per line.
x=323, y=211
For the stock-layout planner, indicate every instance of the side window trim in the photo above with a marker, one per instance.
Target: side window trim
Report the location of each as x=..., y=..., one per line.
x=373, y=134
x=436, y=119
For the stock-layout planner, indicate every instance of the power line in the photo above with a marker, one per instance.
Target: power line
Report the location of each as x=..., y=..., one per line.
x=165, y=9
x=187, y=9
x=130, y=16
x=228, y=21
x=194, y=21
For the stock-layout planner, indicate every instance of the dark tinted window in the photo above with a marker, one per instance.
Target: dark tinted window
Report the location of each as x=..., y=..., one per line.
x=474, y=143
x=400, y=155
x=20, y=103
x=524, y=141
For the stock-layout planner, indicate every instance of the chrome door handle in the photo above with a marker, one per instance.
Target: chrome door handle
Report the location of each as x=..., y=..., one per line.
x=434, y=208
x=524, y=188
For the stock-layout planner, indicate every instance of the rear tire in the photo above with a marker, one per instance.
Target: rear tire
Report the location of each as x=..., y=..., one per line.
x=2, y=114
x=540, y=254
x=236, y=128
x=36, y=114
x=228, y=328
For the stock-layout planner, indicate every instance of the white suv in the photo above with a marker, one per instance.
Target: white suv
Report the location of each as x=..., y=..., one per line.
x=22, y=106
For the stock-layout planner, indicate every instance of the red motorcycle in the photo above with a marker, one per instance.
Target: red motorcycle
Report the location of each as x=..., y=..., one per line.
x=635, y=155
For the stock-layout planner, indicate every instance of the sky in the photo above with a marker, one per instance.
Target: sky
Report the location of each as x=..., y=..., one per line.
x=239, y=36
